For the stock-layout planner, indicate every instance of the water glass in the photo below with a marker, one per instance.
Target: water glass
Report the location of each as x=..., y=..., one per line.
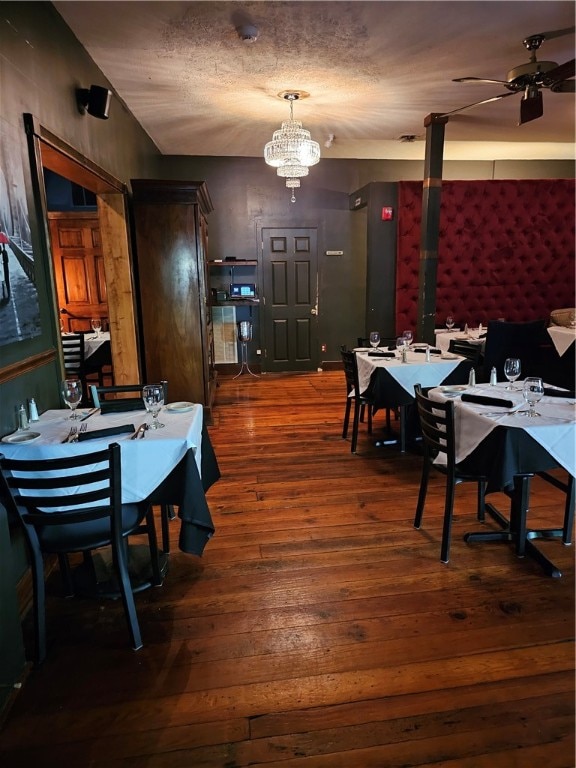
x=71, y=390
x=153, y=396
x=408, y=337
x=374, y=339
x=512, y=368
x=96, y=324
x=533, y=391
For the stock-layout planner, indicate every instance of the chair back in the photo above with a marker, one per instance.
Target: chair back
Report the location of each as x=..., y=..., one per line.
x=71, y=493
x=73, y=354
x=437, y=424
x=350, y=371
x=522, y=340
x=466, y=349
x=125, y=397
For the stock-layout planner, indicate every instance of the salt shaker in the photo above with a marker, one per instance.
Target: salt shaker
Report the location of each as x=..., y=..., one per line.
x=472, y=378
x=493, y=377
x=404, y=355
x=33, y=410
x=22, y=418
x=427, y=354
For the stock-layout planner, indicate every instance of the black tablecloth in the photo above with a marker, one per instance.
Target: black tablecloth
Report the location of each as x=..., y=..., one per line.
x=505, y=452
x=185, y=489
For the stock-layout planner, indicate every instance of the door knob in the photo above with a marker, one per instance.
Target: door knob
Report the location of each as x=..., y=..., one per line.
x=313, y=311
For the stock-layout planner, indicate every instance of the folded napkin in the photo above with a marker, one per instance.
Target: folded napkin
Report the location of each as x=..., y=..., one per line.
x=381, y=354
x=122, y=404
x=560, y=393
x=99, y=433
x=433, y=350
x=482, y=400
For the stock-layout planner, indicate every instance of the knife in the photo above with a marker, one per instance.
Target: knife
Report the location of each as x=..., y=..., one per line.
x=90, y=413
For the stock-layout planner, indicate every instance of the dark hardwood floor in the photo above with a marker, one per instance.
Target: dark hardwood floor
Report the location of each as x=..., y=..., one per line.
x=320, y=629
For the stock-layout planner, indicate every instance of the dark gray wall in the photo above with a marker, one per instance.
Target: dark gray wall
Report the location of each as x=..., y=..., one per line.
x=247, y=194
x=41, y=65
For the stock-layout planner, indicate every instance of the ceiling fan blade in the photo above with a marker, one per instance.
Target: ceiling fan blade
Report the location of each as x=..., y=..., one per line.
x=553, y=33
x=561, y=72
x=565, y=86
x=477, y=103
x=531, y=108
x=478, y=80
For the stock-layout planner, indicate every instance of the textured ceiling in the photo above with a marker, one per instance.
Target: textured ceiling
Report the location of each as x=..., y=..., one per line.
x=374, y=70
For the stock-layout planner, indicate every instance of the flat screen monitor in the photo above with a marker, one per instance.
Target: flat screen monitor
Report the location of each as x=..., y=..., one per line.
x=242, y=291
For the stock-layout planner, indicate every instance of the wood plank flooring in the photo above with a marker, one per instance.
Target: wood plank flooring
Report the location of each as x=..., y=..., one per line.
x=319, y=629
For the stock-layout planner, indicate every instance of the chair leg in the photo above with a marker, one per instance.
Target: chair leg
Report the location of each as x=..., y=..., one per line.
x=166, y=514
x=355, y=424
x=369, y=419
x=153, y=547
x=346, y=418
x=422, y=493
x=120, y=556
x=39, y=600
x=447, y=527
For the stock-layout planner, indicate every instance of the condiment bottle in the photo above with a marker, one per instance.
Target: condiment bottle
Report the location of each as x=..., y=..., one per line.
x=22, y=418
x=493, y=377
x=427, y=354
x=33, y=410
x=472, y=378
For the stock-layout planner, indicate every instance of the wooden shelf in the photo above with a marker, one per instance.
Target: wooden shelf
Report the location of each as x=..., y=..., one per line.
x=235, y=302
x=246, y=263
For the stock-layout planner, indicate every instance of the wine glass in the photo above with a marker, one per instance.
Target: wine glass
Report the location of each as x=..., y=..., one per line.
x=71, y=390
x=374, y=339
x=512, y=370
x=96, y=324
x=449, y=322
x=400, y=344
x=533, y=392
x=153, y=396
x=408, y=337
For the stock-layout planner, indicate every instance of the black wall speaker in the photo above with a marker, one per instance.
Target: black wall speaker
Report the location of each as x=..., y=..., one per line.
x=95, y=101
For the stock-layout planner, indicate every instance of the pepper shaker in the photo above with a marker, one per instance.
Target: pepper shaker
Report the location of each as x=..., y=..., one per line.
x=428, y=353
x=493, y=377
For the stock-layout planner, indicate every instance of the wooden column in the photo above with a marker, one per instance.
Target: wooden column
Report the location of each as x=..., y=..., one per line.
x=430, y=227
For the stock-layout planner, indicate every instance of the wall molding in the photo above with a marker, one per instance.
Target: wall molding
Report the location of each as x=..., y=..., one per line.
x=26, y=365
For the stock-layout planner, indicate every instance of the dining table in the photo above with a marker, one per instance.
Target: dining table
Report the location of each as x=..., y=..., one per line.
x=173, y=465
x=496, y=438
x=475, y=336
x=563, y=338
x=390, y=381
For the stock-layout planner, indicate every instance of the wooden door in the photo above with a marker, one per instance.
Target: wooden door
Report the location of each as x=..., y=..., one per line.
x=290, y=305
x=78, y=269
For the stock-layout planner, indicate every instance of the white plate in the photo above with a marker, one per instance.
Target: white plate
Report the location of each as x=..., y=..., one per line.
x=181, y=407
x=21, y=437
x=456, y=389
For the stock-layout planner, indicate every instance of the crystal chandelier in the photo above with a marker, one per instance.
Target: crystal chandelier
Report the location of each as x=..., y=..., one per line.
x=292, y=150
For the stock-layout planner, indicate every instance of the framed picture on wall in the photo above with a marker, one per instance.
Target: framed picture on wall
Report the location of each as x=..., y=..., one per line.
x=19, y=307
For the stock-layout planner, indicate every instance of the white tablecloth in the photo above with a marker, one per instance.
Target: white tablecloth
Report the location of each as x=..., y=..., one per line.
x=145, y=462
x=554, y=430
x=443, y=338
x=92, y=343
x=415, y=371
x=562, y=337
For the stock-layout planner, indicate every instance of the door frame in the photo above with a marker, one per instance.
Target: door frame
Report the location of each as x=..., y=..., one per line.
x=287, y=223
x=51, y=152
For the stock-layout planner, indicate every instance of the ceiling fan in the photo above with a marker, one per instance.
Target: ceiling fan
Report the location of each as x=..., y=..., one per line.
x=530, y=79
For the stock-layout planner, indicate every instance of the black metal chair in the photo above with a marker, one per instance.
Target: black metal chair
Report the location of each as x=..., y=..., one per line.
x=437, y=424
x=62, y=512
x=114, y=400
x=361, y=402
x=472, y=352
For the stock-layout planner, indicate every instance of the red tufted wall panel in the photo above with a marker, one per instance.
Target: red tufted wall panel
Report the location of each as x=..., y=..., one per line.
x=506, y=249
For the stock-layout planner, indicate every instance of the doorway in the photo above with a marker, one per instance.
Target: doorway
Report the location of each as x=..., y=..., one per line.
x=290, y=308
x=50, y=152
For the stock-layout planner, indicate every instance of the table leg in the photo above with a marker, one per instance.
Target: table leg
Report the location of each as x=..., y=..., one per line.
x=515, y=530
